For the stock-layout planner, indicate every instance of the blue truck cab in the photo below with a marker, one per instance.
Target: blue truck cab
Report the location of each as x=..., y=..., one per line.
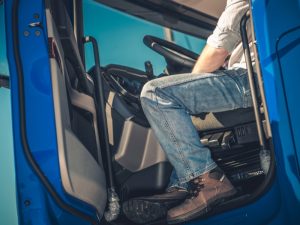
x=74, y=142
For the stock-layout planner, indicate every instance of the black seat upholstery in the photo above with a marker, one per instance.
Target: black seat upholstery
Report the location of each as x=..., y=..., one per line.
x=219, y=120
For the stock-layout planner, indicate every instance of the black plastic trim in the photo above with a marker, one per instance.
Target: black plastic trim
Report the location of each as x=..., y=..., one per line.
x=143, y=182
x=79, y=27
x=4, y=81
x=169, y=51
x=27, y=152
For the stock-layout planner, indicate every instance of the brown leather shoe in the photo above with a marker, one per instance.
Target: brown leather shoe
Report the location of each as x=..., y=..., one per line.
x=206, y=191
x=150, y=208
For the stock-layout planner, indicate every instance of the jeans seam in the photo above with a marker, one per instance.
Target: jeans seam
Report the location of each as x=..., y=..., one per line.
x=244, y=92
x=246, y=99
x=203, y=76
x=174, y=84
x=241, y=89
x=172, y=135
x=178, y=185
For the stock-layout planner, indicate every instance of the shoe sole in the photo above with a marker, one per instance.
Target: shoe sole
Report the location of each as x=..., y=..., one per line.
x=142, y=211
x=194, y=214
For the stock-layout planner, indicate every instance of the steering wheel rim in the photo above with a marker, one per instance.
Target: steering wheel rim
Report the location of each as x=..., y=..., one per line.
x=162, y=47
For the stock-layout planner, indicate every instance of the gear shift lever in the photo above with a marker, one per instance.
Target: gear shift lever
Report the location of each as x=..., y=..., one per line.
x=149, y=70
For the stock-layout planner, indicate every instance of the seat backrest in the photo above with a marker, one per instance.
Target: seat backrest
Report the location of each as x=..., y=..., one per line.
x=78, y=77
x=79, y=84
x=79, y=152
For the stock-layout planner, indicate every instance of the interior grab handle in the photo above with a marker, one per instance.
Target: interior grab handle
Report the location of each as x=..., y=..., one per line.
x=113, y=209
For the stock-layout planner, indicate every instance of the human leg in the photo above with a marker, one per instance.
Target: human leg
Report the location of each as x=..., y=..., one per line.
x=168, y=103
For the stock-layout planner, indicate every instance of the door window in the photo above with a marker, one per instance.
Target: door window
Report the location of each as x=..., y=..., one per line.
x=8, y=211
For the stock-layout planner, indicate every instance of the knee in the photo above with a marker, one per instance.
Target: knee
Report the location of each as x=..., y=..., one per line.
x=148, y=91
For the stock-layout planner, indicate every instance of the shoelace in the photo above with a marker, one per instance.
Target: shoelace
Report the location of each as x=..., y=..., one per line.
x=195, y=186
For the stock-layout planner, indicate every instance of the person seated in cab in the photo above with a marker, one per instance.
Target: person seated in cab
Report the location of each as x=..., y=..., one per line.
x=168, y=104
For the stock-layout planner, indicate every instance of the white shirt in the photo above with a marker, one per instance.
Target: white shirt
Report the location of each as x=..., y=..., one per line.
x=227, y=32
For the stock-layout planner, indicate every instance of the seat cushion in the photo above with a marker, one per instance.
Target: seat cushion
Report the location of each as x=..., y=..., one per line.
x=219, y=120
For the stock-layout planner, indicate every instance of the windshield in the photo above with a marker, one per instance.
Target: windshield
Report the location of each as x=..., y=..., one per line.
x=120, y=37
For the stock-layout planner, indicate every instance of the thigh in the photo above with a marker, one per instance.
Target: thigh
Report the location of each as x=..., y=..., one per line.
x=208, y=92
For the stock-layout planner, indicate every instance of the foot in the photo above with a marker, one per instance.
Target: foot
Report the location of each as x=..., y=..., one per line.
x=206, y=191
x=147, y=209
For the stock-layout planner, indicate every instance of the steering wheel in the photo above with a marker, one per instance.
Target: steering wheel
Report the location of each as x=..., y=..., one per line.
x=173, y=53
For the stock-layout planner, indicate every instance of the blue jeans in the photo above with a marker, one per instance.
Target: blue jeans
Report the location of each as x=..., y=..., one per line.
x=168, y=104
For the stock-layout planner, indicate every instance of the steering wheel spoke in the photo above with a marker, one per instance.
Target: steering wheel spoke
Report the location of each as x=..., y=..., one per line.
x=175, y=55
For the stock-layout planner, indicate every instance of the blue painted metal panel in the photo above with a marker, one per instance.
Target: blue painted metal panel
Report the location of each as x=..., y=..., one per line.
x=272, y=18
x=288, y=53
x=35, y=204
